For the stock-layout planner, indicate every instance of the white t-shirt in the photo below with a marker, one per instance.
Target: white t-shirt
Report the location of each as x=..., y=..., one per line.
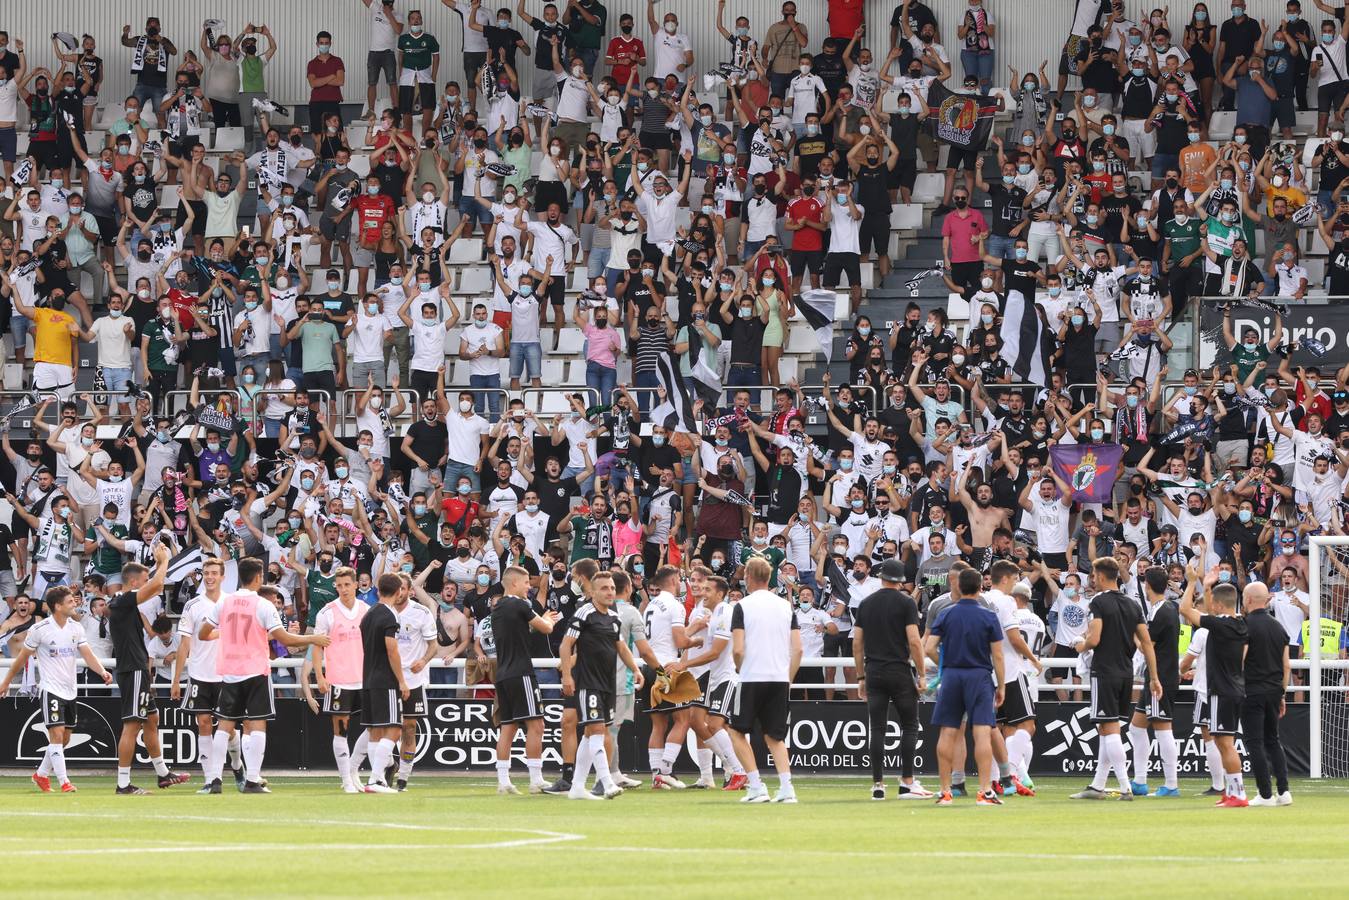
x=114, y=345
x=477, y=337
x=767, y=621
x=573, y=98
x=1331, y=58
x=661, y=214
x=554, y=241
x=55, y=649
x=428, y=345
x=416, y=632
x=1005, y=607
x=803, y=94
x=1072, y=619
x=465, y=437
x=578, y=435
x=382, y=33
x=663, y=613
x=1051, y=524
x=1288, y=614
x=668, y=54
x=201, y=657
x=844, y=230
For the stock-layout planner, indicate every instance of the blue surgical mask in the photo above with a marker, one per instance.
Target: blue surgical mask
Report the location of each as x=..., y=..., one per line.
x=855, y=503
x=1008, y=179
x=845, y=464
x=1097, y=434
x=484, y=579
x=1279, y=45
x=419, y=509
x=1092, y=218
x=1191, y=390
x=464, y=488
x=1024, y=168
x=1244, y=515
x=1022, y=253
x=1224, y=576
x=1109, y=129
x=1131, y=401
x=658, y=440
x=1055, y=291
x=1078, y=320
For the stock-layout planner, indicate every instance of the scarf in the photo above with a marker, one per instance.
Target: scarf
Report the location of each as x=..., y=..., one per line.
x=1131, y=424
x=138, y=56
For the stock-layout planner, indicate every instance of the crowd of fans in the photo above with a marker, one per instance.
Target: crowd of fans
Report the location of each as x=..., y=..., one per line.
x=696, y=196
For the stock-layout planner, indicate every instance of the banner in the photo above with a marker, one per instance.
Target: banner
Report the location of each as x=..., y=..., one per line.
x=1326, y=324
x=962, y=120
x=459, y=736
x=1089, y=469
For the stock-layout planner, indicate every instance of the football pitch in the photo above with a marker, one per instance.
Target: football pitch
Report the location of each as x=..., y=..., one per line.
x=454, y=835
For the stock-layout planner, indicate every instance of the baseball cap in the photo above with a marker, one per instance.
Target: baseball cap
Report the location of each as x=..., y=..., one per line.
x=891, y=570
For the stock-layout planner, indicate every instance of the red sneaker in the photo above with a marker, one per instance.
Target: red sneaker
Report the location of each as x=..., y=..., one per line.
x=1234, y=802
x=997, y=787
x=68, y=788
x=1021, y=789
x=945, y=799
x=43, y=783
x=737, y=783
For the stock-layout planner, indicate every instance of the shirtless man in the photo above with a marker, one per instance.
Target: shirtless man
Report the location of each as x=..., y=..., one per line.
x=198, y=178
x=985, y=518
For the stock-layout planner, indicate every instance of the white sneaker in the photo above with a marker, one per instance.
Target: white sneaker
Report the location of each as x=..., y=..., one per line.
x=624, y=781
x=1257, y=800
x=914, y=791
x=756, y=795
x=374, y=787
x=579, y=792
x=536, y=787
x=662, y=782
x=508, y=788
x=785, y=795
x=349, y=787
x=704, y=783
x=1284, y=799
x=612, y=791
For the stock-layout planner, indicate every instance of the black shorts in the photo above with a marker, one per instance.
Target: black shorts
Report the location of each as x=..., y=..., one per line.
x=836, y=264
x=1224, y=715
x=518, y=699
x=570, y=703
x=904, y=175
x=655, y=140
x=1112, y=699
x=595, y=707
x=1158, y=709
x=557, y=290
x=58, y=711
x=321, y=381
x=250, y=700
x=1018, y=702
x=961, y=158
x=1201, y=710
x=717, y=699
x=201, y=696
x=1330, y=96
x=138, y=702
x=199, y=220
x=803, y=261
x=874, y=235
x=381, y=708
x=764, y=703
x=414, y=707
x=107, y=229
x=1067, y=61
x=701, y=702
x=341, y=701
x=426, y=93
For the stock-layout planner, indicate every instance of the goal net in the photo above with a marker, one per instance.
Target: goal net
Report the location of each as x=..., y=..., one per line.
x=1325, y=672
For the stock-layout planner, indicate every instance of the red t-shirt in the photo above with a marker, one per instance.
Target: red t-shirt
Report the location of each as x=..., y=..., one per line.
x=321, y=68
x=844, y=17
x=459, y=514
x=806, y=209
x=182, y=304
x=371, y=214
x=959, y=231
x=619, y=47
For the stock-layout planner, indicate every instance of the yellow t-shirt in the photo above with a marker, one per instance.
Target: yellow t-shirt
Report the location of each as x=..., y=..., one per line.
x=51, y=340
x=1296, y=198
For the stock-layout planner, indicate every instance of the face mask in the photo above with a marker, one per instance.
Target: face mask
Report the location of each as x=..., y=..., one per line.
x=1229, y=388
x=1278, y=181
x=1181, y=219
x=1136, y=40
x=1244, y=515
x=307, y=483
x=986, y=283
x=1109, y=129
x=1327, y=37
x=1097, y=434
x=1055, y=291
x=1279, y=45
x=1077, y=320
x=658, y=440
x=671, y=27
x=1008, y=179
x=1229, y=217
x=525, y=290
x=324, y=48
x=1131, y=401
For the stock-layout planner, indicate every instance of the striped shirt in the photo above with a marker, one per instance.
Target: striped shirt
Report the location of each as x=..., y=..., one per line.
x=222, y=320
x=651, y=343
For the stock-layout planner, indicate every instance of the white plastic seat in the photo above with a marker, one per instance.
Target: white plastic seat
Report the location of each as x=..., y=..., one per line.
x=228, y=140
x=569, y=342
x=906, y=216
x=475, y=280
x=466, y=250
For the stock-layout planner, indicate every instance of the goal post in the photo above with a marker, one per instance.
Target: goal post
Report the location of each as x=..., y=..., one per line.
x=1328, y=601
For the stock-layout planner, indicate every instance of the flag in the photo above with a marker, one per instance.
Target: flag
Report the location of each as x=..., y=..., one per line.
x=706, y=382
x=962, y=120
x=817, y=307
x=1021, y=338
x=1090, y=469
x=836, y=585
x=184, y=564
x=675, y=412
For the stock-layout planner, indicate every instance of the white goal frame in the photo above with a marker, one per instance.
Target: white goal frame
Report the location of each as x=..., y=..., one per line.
x=1315, y=550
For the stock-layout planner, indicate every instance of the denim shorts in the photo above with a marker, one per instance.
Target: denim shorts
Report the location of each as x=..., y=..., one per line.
x=18, y=328
x=524, y=357
x=116, y=379
x=470, y=207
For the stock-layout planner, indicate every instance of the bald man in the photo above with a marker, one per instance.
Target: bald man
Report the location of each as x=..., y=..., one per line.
x=1266, y=683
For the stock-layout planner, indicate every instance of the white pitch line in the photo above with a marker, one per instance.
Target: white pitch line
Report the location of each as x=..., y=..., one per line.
x=544, y=837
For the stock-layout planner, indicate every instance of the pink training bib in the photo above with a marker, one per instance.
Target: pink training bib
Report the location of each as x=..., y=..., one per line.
x=344, y=658
x=242, y=647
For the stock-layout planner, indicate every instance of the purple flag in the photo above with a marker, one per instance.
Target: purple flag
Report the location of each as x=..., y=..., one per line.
x=1089, y=469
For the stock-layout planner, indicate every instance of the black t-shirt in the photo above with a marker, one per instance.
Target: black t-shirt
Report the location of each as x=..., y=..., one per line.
x=429, y=440
x=377, y=673
x=510, y=629
x=1239, y=38
x=1019, y=275
x=1164, y=629
x=504, y=39
x=1100, y=73
x=127, y=632
x=873, y=190
x=6, y=539
x=885, y=617
x=554, y=498
x=1007, y=209
x=1247, y=537
x=663, y=457
x=1337, y=266
x=784, y=493
x=543, y=45
x=1227, y=638
x=540, y=647
x=746, y=339
x=1119, y=616
x=596, y=637
x=1116, y=208
x=1264, y=652
x=832, y=71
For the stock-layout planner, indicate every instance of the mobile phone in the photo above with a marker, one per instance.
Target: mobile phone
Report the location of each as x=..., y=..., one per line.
x=245, y=232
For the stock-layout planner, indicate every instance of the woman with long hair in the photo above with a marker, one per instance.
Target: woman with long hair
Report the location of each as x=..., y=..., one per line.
x=1201, y=35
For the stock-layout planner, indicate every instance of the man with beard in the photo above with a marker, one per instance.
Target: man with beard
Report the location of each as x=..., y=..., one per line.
x=592, y=534
x=984, y=517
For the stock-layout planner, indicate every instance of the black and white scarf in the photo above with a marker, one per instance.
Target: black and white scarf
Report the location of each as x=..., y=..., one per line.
x=138, y=56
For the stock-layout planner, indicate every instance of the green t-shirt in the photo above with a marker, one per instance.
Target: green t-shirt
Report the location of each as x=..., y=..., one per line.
x=317, y=340
x=585, y=36
x=421, y=553
x=1247, y=360
x=322, y=591
x=107, y=559
x=155, y=329
x=772, y=554
x=1184, y=239
x=417, y=51
x=250, y=75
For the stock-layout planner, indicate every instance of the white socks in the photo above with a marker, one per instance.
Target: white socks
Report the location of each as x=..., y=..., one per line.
x=44, y=768
x=1019, y=748
x=720, y=742
x=253, y=747
x=381, y=754
x=205, y=744
x=57, y=754
x=405, y=764
x=667, y=758
x=755, y=782
x=705, y=763
x=123, y=775
x=342, y=755
x=358, y=754
x=503, y=772
x=653, y=755
x=161, y=769
x=1115, y=747
x=1233, y=786
x=1169, y=751
x=1142, y=748
x=535, y=767
x=1215, y=763
x=220, y=742
x=601, y=760
x=236, y=754
x=584, y=758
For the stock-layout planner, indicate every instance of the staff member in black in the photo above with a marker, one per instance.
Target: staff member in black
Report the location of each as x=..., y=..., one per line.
x=383, y=687
x=1266, y=673
x=1224, y=662
x=887, y=650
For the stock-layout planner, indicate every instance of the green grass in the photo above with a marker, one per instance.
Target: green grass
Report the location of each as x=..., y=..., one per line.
x=455, y=835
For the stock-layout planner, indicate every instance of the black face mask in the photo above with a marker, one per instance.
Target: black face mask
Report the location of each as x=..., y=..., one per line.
x=626, y=29
x=143, y=255
x=462, y=553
